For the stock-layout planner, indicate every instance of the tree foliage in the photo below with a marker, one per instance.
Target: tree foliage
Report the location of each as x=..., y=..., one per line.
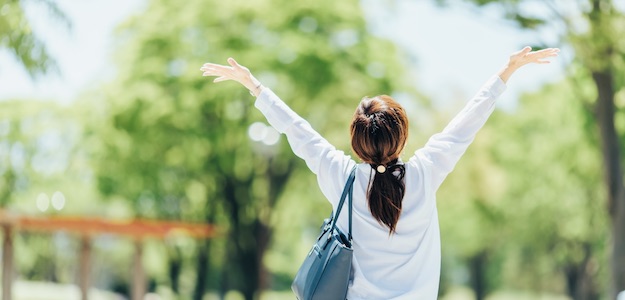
x=17, y=35
x=176, y=146
x=592, y=29
x=523, y=210
x=530, y=214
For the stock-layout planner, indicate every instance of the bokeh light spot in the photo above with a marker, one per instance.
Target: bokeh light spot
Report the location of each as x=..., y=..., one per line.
x=257, y=131
x=271, y=136
x=43, y=202
x=58, y=200
x=308, y=24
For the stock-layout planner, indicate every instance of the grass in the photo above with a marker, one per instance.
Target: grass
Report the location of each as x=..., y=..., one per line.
x=32, y=290
x=28, y=290
x=463, y=293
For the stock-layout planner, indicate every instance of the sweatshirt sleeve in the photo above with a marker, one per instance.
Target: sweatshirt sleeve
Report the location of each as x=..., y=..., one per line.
x=443, y=150
x=330, y=165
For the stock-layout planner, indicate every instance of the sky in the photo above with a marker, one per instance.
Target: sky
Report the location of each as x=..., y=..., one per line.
x=455, y=49
x=82, y=53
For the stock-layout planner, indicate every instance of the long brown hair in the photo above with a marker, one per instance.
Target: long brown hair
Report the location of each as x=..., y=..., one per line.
x=379, y=133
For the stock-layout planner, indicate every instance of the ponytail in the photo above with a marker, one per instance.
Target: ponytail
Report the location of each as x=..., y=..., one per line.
x=385, y=194
x=379, y=132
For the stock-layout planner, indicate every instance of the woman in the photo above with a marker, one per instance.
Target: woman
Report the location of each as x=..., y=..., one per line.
x=395, y=223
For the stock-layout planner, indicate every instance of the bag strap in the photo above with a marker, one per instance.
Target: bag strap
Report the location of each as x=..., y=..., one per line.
x=347, y=191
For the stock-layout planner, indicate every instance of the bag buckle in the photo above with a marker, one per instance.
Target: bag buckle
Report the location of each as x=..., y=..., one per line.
x=316, y=250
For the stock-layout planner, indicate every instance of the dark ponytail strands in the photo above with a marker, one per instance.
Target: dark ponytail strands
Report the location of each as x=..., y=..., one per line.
x=386, y=193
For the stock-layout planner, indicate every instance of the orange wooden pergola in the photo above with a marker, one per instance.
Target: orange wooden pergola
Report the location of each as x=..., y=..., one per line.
x=86, y=228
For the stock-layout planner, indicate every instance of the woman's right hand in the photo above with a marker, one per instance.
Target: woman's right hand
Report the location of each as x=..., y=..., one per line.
x=234, y=72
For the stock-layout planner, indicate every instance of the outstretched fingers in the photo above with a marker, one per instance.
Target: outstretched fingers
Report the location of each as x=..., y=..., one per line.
x=547, y=52
x=236, y=66
x=210, y=69
x=214, y=67
x=232, y=71
x=526, y=56
x=233, y=62
x=522, y=52
x=541, y=55
x=221, y=78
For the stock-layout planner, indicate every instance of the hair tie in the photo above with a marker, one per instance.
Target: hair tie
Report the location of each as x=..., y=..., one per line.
x=397, y=169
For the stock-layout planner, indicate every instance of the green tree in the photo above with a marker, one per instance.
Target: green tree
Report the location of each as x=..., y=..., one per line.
x=554, y=192
x=17, y=35
x=593, y=30
x=177, y=147
x=39, y=144
x=42, y=160
x=530, y=214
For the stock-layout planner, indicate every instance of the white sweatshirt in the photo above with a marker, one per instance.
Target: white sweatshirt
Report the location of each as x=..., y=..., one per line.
x=405, y=265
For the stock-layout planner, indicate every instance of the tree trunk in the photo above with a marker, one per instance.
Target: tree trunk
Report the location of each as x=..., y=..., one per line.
x=7, y=262
x=84, y=274
x=613, y=174
x=250, y=235
x=138, y=288
x=175, y=266
x=572, y=274
x=242, y=262
x=203, y=259
x=248, y=262
x=202, y=270
x=477, y=270
x=579, y=278
x=618, y=252
x=263, y=234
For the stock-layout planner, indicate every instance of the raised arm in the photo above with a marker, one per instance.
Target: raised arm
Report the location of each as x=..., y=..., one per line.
x=330, y=165
x=443, y=150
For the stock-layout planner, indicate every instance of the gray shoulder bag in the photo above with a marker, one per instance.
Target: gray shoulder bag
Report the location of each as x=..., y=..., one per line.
x=324, y=275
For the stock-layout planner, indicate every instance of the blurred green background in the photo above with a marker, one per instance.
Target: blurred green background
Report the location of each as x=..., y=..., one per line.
x=103, y=106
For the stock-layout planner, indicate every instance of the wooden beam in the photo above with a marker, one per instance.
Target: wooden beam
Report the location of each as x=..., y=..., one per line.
x=133, y=228
x=88, y=227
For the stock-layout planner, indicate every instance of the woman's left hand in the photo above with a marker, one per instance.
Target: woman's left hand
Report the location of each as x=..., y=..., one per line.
x=523, y=57
x=526, y=56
